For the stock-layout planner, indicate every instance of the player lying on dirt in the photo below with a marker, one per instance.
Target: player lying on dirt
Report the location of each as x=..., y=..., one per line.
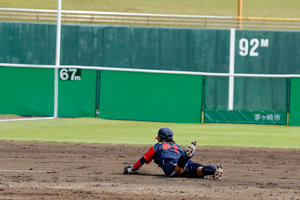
x=173, y=160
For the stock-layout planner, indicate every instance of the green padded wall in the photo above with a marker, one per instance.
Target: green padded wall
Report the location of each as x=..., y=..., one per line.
x=150, y=97
x=295, y=102
x=26, y=91
x=78, y=98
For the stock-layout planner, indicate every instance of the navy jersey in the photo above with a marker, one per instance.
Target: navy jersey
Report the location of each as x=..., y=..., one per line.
x=166, y=152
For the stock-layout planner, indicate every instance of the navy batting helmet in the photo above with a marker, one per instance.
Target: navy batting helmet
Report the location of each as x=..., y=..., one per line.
x=165, y=133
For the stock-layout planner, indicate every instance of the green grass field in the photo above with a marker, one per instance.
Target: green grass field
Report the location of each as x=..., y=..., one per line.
x=253, y=8
x=92, y=130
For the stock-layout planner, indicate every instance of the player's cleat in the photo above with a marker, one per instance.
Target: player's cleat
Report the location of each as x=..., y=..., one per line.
x=218, y=172
x=191, y=149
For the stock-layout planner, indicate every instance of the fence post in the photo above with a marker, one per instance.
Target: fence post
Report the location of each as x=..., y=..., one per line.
x=240, y=13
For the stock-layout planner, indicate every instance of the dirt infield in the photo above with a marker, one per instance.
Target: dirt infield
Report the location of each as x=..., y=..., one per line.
x=90, y=171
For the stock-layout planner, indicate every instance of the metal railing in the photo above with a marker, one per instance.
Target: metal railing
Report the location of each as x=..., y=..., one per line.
x=147, y=19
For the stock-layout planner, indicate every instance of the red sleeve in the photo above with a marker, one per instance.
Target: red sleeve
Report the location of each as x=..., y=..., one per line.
x=147, y=158
x=149, y=155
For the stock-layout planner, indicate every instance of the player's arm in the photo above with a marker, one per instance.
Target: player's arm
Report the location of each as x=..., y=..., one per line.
x=147, y=158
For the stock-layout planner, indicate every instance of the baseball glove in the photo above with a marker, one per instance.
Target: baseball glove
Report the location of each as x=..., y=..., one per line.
x=128, y=170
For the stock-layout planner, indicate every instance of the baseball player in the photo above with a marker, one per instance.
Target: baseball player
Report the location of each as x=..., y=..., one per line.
x=173, y=160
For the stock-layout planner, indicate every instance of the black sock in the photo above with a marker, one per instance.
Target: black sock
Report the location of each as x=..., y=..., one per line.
x=208, y=170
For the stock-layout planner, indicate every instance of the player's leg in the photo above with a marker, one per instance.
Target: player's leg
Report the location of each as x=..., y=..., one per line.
x=210, y=170
x=197, y=170
x=184, y=158
x=193, y=169
x=206, y=170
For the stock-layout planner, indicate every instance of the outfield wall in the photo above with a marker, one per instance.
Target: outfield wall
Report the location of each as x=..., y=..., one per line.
x=26, y=91
x=295, y=102
x=150, y=97
x=146, y=96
